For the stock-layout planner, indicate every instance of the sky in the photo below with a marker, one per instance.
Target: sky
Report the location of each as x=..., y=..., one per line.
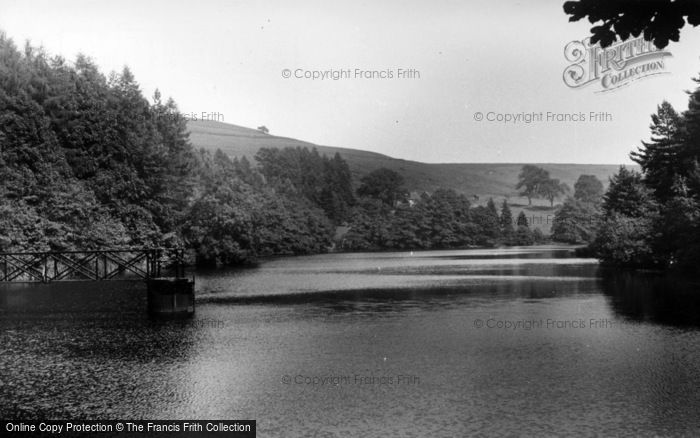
x=459, y=58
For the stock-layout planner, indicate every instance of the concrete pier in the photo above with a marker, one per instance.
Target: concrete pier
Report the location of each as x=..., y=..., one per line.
x=170, y=297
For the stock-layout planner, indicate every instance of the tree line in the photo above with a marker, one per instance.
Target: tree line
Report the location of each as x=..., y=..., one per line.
x=86, y=162
x=386, y=219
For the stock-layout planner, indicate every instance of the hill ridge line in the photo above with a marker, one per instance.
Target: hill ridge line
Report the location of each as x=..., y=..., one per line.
x=485, y=179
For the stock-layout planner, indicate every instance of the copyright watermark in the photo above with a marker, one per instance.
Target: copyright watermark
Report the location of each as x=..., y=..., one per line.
x=337, y=74
x=350, y=379
x=613, y=67
x=547, y=324
x=203, y=116
x=526, y=118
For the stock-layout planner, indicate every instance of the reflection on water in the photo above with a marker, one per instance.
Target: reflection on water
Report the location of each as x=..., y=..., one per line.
x=436, y=343
x=654, y=298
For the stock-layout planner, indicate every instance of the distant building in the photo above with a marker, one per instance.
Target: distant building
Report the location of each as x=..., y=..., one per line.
x=414, y=197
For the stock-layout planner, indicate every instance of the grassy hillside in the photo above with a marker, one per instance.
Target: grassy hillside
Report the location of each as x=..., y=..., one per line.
x=481, y=179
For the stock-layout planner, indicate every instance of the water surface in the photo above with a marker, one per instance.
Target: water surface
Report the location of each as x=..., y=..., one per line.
x=523, y=341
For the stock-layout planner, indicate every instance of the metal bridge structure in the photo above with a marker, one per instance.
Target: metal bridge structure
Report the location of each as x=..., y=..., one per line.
x=97, y=265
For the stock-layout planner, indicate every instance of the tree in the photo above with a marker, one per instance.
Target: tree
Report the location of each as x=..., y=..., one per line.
x=588, y=188
x=551, y=189
x=657, y=20
x=538, y=236
x=627, y=195
x=444, y=213
x=677, y=229
x=661, y=158
x=383, y=184
x=690, y=151
x=263, y=129
x=491, y=206
x=232, y=222
x=625, y=241
x=530, y=179
x=325, y=182
x=336, y=193
x=487, y=223
x=522, y=220
x=523, y=237
x=506, y=220
x=575, y=222
x=174, y=181
x=369, y=226
x=627, y=233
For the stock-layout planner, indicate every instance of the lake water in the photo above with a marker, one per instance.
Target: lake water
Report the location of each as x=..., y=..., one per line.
x=521, y=341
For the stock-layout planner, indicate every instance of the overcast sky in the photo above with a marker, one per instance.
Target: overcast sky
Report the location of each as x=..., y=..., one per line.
x=485, y=56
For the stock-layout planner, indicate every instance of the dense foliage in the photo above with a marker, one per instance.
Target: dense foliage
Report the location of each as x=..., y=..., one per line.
x=238, y=218
x=443, y=219
x=652, y=219
x=658, y=21
x=326, y=183
x=578, y=218
x=87, y=162
x=575, y=222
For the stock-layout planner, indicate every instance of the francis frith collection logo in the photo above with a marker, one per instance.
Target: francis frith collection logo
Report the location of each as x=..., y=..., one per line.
x=612, y=67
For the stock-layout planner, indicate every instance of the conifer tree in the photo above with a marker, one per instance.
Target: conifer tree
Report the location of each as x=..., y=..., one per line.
x=522, y=220
x=506, y=219
x=662, y=157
